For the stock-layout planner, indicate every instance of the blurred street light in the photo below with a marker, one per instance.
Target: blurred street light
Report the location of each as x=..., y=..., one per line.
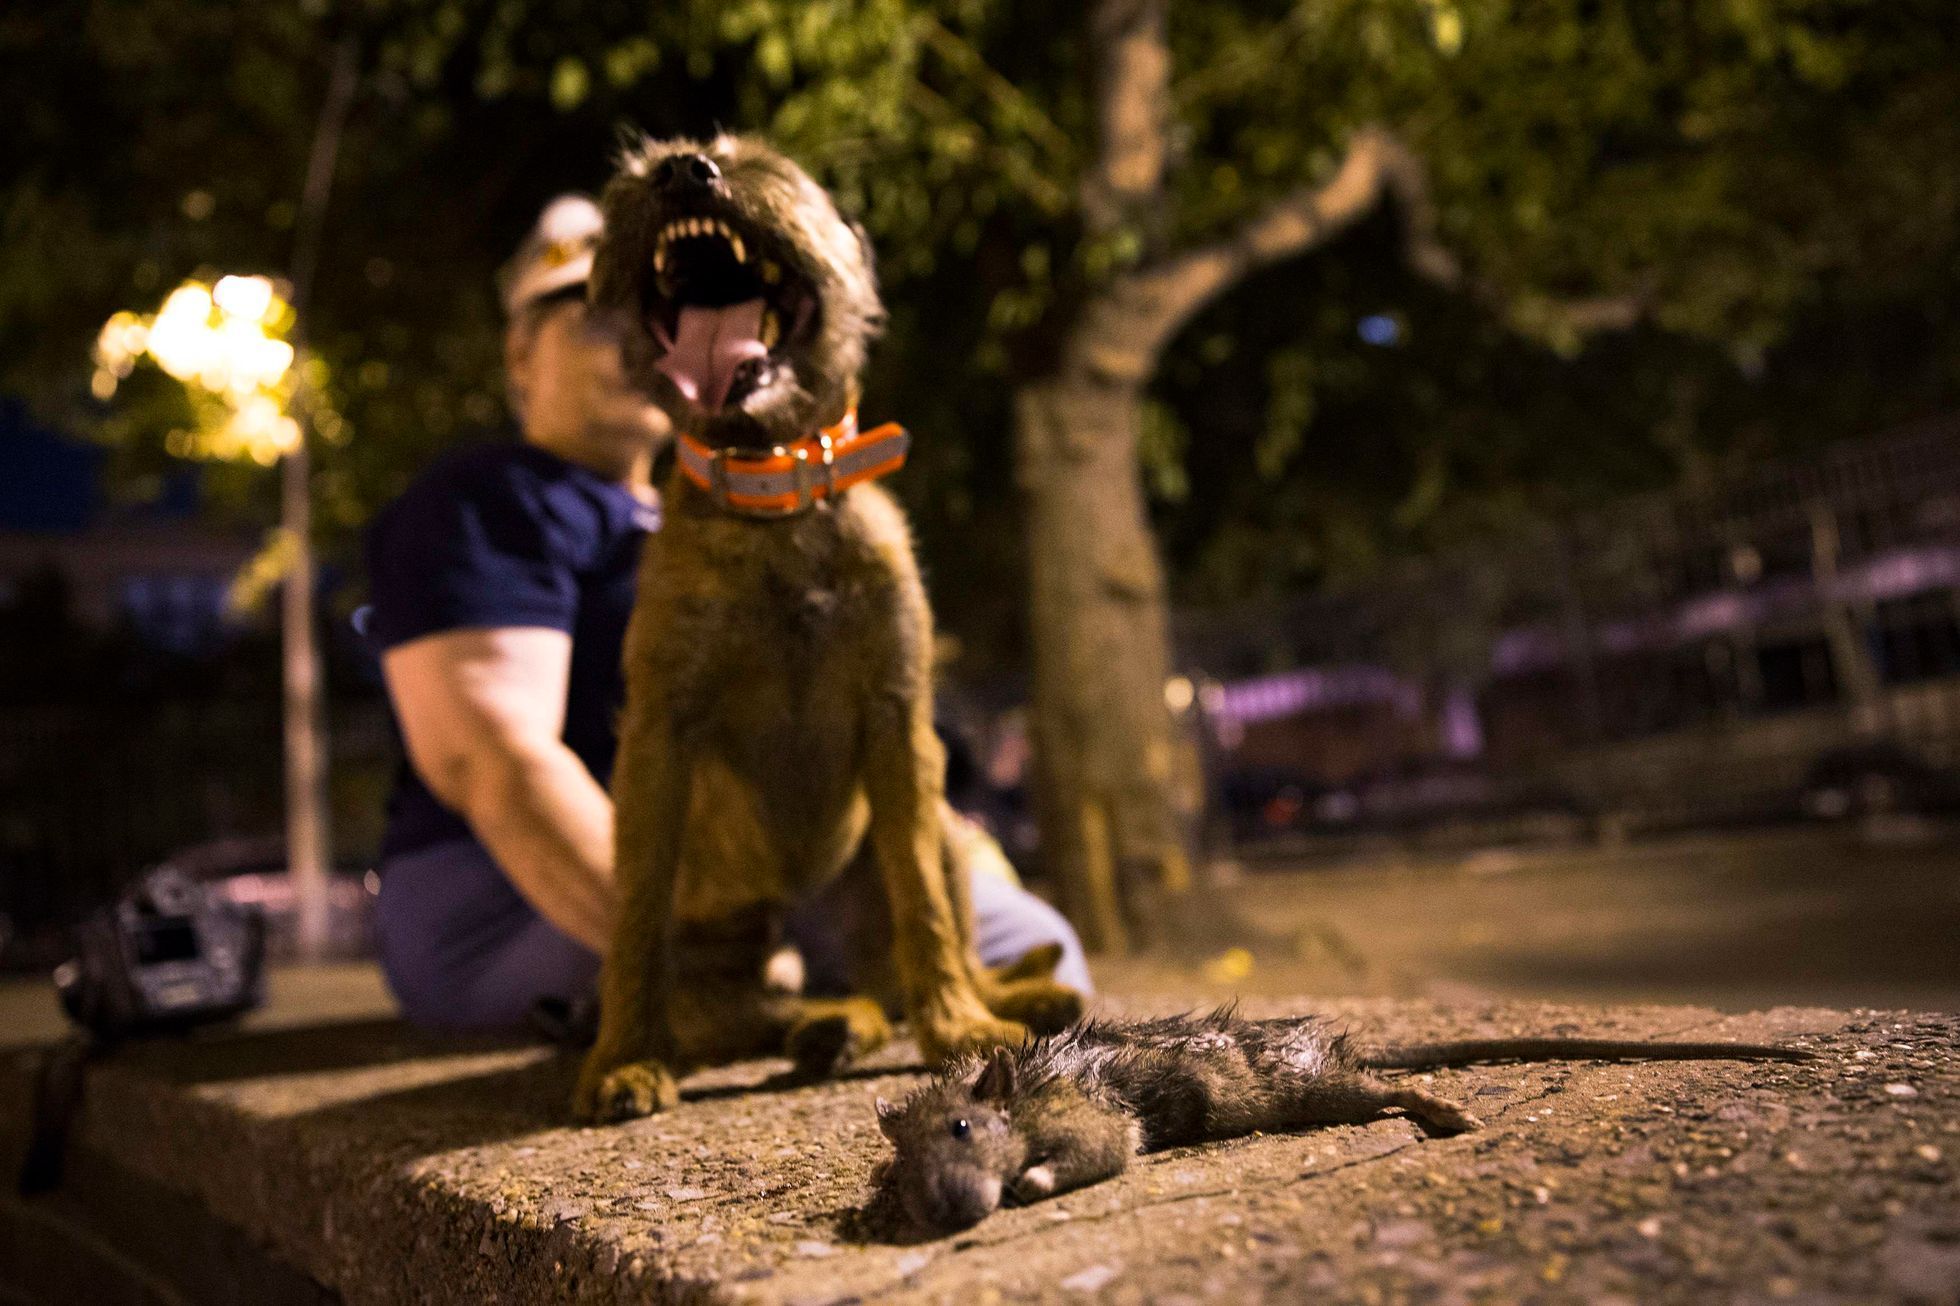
x=1179, y=693
x=233, y=345
x=225, y=343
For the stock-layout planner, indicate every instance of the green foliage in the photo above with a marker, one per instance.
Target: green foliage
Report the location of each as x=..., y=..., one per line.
x=1779, y=180
x=1161, y=444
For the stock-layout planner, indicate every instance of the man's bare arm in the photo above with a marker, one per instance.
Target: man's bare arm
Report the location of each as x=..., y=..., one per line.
x=482, y=712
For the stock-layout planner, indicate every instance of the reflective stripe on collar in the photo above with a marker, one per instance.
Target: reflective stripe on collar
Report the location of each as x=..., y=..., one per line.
x=790, y=478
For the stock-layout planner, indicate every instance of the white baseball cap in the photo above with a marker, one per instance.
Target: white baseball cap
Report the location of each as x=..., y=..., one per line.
x=555, y=255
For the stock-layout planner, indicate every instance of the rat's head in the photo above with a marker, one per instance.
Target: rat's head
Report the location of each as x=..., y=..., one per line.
x=954, y=1145
x=746, y=301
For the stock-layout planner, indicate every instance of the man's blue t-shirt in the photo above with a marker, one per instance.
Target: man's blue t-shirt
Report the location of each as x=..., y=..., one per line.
x=508, y=534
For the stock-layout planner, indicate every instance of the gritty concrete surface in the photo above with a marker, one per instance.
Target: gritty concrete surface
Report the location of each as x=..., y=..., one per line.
x=390, y=1167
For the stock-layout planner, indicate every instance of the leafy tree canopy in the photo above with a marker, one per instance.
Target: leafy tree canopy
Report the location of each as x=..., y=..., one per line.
x=1757, y=197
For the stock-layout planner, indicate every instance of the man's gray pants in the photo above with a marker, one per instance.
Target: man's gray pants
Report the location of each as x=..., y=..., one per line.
x=463, y=950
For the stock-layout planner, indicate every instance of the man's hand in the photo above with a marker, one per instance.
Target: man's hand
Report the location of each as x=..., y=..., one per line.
x=482, y=712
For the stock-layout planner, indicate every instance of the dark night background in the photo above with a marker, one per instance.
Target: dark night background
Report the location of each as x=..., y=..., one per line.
x=1349, y=465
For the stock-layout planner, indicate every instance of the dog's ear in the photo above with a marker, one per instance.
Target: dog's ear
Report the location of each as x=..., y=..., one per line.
x=864, y=247
x=633, y=147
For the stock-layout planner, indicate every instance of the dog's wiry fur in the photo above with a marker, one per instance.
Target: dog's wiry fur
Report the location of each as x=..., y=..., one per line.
x=778, y=727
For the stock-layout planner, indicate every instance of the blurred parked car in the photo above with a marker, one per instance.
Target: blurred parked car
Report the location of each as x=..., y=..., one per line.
x=1874, y=779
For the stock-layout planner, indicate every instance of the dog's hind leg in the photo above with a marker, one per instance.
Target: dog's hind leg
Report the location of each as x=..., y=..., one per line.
x=718, y=1021
x=1024, y=990
x=827, y=1034
x=725, y=1007
x=1037, y=963
x=1043, y=1005
x=858, y=908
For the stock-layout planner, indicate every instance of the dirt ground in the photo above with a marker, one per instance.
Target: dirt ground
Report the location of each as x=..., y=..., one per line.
x=1826, y=917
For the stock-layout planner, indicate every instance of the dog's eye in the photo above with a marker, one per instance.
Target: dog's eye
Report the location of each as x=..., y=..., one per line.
x=960, y=1128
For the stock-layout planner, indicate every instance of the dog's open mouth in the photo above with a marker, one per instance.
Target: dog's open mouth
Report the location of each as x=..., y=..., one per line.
x=724, y=303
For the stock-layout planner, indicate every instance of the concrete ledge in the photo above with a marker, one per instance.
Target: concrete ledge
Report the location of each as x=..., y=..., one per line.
x=386, y=1167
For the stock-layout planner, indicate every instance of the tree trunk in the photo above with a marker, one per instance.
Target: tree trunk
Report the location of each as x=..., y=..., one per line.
x=1851, y=661
x=1100, y=725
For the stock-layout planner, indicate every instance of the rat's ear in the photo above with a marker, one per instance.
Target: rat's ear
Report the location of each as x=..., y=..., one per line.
x=888, y=1113
x=996, y=1080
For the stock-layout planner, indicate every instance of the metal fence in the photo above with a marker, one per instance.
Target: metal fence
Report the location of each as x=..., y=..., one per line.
x=1788, y=642
x=92, y=793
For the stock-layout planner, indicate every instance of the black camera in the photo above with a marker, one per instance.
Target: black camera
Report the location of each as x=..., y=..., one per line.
x=171, y=953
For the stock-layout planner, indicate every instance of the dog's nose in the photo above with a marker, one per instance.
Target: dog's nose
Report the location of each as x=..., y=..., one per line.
x=686, y=172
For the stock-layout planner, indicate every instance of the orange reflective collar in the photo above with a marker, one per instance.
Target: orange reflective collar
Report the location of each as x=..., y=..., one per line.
x=791, y=478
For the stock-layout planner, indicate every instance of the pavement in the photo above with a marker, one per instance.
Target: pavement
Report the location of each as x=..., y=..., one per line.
x=1831, y=916
x=385, y=1166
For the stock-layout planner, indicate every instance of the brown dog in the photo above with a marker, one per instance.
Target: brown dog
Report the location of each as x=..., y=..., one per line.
x=778, y=726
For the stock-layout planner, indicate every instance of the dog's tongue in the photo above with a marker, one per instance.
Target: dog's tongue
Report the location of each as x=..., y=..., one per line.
x=708, y=345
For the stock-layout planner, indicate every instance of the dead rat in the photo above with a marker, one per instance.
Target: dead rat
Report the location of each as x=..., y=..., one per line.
x=1071, y=1109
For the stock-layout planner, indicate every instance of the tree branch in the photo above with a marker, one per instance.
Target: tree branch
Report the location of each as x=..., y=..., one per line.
x=959, y=54
x=1148, y=307
x=1244, y=60
x=1376, y=163
x=1041, y=190
x=1132, y=80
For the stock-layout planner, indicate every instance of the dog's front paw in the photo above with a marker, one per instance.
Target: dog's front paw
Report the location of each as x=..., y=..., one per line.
x=943, y=1040
x=625, y=1092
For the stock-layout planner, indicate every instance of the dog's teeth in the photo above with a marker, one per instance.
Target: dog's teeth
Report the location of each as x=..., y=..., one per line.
x=771, y=329
x=660, y=258
x=735, y=242
x=770, y=272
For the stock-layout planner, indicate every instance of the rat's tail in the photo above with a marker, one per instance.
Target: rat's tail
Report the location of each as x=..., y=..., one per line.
x=1435, y=1056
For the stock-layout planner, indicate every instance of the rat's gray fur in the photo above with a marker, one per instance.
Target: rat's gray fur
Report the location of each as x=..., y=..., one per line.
x=1061, y=1112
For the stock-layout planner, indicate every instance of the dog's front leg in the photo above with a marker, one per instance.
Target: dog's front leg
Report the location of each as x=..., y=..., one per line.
x=628, y=1072
x=904, y=766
